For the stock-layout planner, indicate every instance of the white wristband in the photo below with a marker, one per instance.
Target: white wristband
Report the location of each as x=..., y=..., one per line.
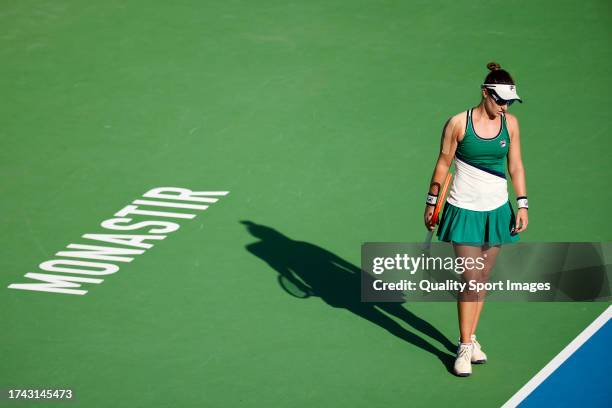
x=431, y=199
x=522, y=202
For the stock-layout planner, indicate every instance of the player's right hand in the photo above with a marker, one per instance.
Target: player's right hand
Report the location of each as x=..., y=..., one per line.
x=429, y=210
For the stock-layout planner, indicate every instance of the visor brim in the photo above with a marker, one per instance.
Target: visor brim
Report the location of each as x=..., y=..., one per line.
x=506, y=92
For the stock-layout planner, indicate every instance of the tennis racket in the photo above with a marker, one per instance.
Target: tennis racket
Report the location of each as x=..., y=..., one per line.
x=435, y=218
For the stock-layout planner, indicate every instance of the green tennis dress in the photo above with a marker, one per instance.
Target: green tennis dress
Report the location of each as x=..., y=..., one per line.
x=477, y=211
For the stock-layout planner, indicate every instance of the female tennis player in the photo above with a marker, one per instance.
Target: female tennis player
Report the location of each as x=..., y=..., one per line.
x=477, y=217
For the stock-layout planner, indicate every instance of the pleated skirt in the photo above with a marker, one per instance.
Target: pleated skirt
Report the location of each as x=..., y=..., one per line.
x=477, y=228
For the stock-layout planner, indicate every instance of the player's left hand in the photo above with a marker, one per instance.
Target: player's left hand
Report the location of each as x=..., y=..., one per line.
x=521, y=220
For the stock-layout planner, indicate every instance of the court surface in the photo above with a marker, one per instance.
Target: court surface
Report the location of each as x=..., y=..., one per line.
x=322, y=120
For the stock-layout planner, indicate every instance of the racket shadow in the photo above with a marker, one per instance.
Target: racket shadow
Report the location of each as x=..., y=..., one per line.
x=307, y=270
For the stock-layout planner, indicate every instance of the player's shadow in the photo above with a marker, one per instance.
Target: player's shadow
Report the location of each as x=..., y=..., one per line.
x=308, y=270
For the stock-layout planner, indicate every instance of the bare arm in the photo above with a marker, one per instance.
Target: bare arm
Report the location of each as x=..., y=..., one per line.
x=517, y=170
x=448, y=146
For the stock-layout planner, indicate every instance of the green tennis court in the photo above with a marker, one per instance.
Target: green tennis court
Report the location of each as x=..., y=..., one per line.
x=322, y=120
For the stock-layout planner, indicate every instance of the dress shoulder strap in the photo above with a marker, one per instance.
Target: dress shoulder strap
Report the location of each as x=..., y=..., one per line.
x=468, y=119
x=504, y=123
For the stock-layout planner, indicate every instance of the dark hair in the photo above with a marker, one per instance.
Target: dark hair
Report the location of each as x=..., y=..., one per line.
x=498, y=75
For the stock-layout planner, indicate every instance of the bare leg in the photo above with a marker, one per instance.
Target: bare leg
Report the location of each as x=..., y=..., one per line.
x=490, y=255
x=467, y=301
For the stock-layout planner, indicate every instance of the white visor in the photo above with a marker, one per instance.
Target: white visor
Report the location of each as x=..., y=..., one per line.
x=507, y=92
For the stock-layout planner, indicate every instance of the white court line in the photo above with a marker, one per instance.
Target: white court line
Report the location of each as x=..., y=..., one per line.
x=559, y=359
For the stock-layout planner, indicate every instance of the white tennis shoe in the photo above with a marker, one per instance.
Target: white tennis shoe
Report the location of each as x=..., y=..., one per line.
x=478, y=356
x=463, y=363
